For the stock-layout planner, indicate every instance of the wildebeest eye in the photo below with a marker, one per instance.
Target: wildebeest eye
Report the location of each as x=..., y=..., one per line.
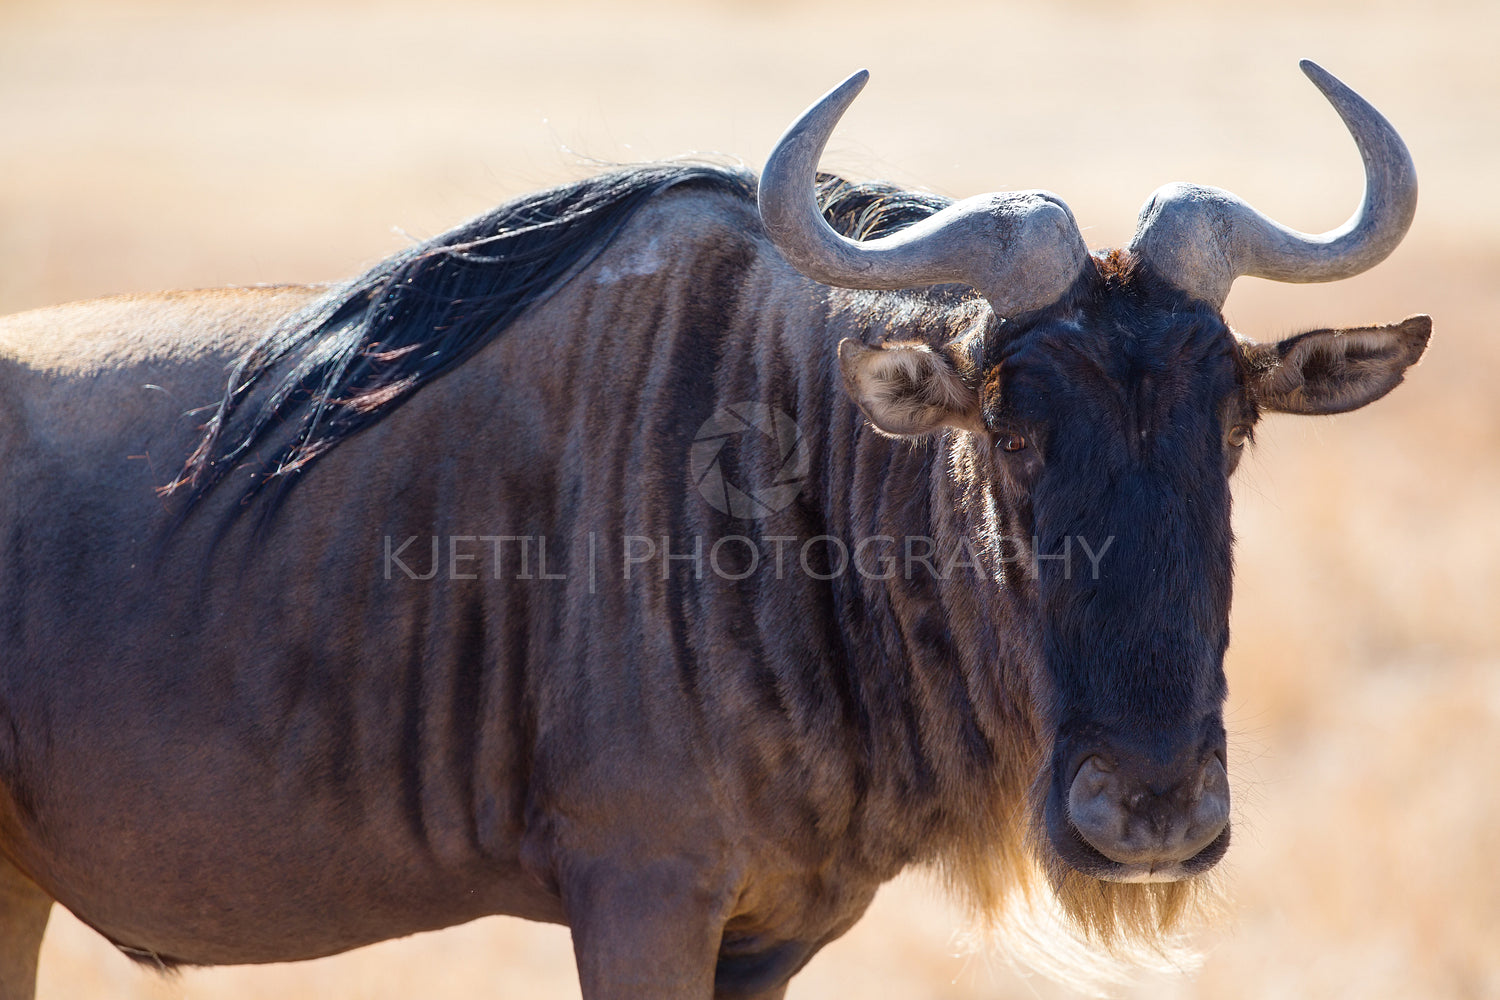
x=1239, y=434
x=1012, y=442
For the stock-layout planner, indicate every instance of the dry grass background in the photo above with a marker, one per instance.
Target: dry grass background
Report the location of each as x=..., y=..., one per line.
x=148, y=145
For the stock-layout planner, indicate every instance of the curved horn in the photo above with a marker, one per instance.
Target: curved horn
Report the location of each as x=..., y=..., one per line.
x=1021, y=250
x=1202, y=238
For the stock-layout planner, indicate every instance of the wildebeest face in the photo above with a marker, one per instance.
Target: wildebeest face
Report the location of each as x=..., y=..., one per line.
x=1118, y=429
x=1111, y=429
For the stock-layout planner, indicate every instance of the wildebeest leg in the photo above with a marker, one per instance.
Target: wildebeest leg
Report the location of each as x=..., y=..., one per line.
x=23, y=918
x=649, y=931
x=775, y=994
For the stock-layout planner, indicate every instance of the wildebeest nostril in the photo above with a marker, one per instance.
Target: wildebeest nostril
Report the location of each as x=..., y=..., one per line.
x=1132, y=822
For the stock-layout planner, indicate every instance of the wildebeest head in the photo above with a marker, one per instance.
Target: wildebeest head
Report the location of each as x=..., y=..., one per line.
x=1110, y=405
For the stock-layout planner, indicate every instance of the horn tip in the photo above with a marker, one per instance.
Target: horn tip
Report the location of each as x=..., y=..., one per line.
x=856, y=81
x=1321, y=78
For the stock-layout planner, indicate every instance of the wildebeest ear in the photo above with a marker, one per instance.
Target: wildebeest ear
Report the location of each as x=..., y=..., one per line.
x=1331, y=371
x=909, y=388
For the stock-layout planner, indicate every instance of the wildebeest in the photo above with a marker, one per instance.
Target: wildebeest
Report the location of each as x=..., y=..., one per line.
x=562, y=567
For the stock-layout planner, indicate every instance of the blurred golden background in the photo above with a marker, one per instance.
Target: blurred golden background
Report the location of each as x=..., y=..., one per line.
x=152, y=145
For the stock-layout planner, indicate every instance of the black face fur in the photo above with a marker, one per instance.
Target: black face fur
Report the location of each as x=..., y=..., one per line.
x=1115, y=423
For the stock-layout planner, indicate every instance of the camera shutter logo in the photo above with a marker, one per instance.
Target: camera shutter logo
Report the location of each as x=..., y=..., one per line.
x=749, y=500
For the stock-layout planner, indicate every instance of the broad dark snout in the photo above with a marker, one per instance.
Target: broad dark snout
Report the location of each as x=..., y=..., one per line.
x=1149, y=824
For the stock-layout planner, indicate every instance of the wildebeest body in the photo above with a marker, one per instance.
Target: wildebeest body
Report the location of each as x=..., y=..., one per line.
x=459, y=628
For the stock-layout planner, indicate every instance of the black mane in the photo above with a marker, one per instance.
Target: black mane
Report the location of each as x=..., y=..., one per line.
x=354, y=355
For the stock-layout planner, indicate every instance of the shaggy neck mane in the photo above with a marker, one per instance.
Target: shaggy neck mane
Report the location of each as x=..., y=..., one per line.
x=353, y=356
